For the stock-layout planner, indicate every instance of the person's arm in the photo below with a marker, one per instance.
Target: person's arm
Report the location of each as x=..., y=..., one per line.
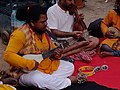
x=16, y=43
x=62, y=34
x=53, y=25
x=107, y=21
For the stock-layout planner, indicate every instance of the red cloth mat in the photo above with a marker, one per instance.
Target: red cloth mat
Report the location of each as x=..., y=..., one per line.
x=110, y=77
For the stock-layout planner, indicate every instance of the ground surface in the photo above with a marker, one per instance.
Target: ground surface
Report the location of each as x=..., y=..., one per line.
x=93, y=9
x=96, y=9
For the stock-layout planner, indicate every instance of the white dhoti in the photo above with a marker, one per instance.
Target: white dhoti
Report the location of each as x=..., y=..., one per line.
x=56, y=81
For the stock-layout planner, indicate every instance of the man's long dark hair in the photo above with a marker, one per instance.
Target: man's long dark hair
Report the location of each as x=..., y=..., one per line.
x=30, y=12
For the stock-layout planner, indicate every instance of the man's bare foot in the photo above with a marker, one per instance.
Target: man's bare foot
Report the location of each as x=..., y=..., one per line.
x=80, y=78
x=105, y=54
x=73, y=79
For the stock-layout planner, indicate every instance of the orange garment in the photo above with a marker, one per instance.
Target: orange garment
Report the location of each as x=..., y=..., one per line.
x=29, y=43
x=114, y=19
x=7, y=87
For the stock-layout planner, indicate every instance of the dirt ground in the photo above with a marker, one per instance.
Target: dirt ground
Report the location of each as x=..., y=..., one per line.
x=3, y=64
x=93, y=9
x=96, y=9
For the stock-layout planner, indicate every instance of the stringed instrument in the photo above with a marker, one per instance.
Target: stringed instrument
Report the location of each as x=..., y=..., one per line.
x=40, y=57
x=79, y=24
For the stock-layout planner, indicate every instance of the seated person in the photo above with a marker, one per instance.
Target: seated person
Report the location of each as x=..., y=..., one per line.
x=6, y=82
x=6, y=86
x=31, y=38
x=61, y=21
x=111, y=45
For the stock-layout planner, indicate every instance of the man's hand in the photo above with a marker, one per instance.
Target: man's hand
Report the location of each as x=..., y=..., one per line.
x=57, y=54
x=110, y=34
x=36, y=65
x=77, y=34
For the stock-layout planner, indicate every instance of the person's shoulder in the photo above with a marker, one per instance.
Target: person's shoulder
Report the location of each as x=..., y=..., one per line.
x=17, y=33
x=112, y=11
x=52, y=8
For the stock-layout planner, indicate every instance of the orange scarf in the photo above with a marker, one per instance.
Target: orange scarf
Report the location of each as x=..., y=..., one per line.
x=46, y=65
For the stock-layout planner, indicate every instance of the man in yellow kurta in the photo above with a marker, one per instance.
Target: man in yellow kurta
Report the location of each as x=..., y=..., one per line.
x=32, y=39
x=5, y=84
x=7, y=87
x=111, y=45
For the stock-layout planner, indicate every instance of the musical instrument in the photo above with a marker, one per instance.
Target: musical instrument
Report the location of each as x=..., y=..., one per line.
x=40, y=57
x=79, y=24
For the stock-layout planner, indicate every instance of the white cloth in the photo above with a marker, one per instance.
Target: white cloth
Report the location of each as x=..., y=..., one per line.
x=1, y=82
x=59, y=19
x=56, y=81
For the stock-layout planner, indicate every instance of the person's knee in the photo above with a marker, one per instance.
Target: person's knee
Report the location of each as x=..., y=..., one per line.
x=28, y=80
x=72, y=67
x=69, y=67
x=82, y=43
x=95, y=41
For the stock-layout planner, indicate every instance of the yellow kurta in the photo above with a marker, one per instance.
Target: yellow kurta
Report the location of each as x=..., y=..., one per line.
x=17, y=43
x=6, y=87
x=114, y=19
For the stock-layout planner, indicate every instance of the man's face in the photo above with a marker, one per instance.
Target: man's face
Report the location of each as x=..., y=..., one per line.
x=68, y=4
x=41, y=24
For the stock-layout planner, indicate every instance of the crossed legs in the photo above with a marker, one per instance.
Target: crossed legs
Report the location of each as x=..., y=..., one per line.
x=60, y=78
x=81, y=46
